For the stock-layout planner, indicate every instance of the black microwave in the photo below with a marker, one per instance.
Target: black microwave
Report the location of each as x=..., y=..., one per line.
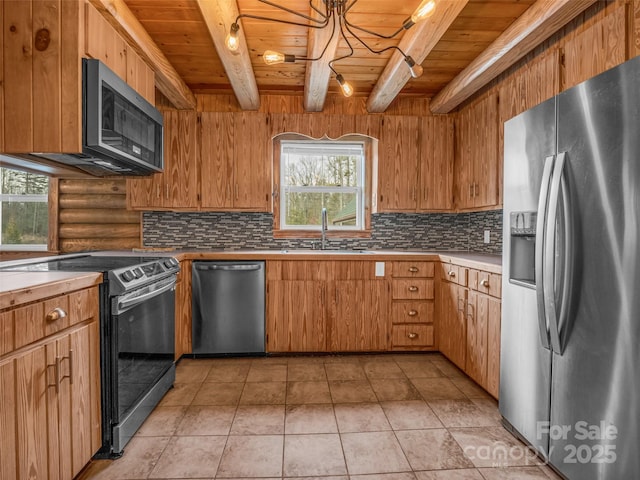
x=122, y=131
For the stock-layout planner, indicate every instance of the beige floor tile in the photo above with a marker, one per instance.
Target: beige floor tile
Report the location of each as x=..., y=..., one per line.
x=344, y=371
x=140, y=456
x=351, y=391
x=228, y=372
x=163, y=421
x=192, y=372
x=313, y=455
x=206, y=420
x=492, y=447
x=181, y=394
x=385, y=476
x=437, y=389
x=270, y=360
x=308, y=392
x=250, y=456
x=361, y=417
x=267, y=373
x=513, y=473
x=462, y=474
x=306, y=372
x=373, y=452
x=448, y=369
x=464, y=413
x=410, y=415
x=218, y=394
x=310, y=419
x=387, y=389
x=382, y=369
x=470, y=388
x=306, y=360
x=190, y=457
x=419, y=369
x=433, y=449
x=343, y=359
x=488, y=407
x=264, y=393
x=258, y=420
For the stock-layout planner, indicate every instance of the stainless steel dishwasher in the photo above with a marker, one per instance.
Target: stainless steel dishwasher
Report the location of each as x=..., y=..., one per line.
x=228, y=307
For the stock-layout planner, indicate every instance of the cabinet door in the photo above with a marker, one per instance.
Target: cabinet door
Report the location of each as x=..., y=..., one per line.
x=477, y=311
x=493, y=346
x=296, y=318
x=359, y=315
x=398, y=164
x=486, y=165
x=452, y=329
x=216, y=153
x=436, y=164
x=180, y=174
x=8, y=420
x=252, y=166
x=145, y=192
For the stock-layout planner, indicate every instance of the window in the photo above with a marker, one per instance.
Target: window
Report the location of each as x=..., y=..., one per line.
x=322, y=174
x=24, y=214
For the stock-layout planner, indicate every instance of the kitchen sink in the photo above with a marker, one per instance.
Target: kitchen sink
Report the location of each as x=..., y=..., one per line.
x=328, y=252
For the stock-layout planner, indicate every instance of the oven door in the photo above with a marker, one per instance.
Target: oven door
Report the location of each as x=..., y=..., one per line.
x=143, y=367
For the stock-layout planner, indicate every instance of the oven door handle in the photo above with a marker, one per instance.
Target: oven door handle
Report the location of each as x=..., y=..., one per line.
x=125, y=303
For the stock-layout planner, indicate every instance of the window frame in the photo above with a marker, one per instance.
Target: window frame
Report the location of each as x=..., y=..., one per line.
x=369, y=150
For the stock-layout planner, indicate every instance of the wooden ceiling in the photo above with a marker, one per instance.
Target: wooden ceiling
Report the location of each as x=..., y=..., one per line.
x=181, y=32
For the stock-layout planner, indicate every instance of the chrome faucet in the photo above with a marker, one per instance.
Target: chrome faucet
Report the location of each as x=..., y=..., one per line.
x=323, y=221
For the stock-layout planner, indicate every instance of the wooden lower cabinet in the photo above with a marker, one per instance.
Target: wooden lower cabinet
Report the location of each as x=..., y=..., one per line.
x=452, y=331
x=183, y=343
x=50, y=396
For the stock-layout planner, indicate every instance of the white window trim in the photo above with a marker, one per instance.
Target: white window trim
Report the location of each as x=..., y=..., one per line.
x=359, y=190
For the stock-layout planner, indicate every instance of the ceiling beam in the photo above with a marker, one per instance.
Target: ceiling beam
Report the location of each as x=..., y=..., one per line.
x=417, y=43
x=535, y=25
x=168, y=81
x=219, y=15
x=316, y=77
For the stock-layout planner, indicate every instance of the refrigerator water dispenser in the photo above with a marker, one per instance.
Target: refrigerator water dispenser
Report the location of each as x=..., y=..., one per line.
x=522, y=227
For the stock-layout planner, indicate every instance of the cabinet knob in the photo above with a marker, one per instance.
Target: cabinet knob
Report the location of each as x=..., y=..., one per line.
x=484, y=282
x=55, y=314
x=451, y=273
x=412, y=335
x=413, y=269
x=413, y=288
x=412, y=313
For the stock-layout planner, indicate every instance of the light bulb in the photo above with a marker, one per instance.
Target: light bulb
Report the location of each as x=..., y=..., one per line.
x=415, y=69
x=232, y=42
x=424, y=10
x=347, y=89
x=271, y=58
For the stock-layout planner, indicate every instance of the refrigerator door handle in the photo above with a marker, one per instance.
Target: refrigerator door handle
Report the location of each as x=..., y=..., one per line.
x=540, y=249
x=551, y=308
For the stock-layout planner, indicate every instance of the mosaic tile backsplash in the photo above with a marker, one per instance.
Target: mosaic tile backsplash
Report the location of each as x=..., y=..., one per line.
x=390, y=231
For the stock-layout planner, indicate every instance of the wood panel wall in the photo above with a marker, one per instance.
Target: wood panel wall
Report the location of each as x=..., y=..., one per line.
x=93, y=215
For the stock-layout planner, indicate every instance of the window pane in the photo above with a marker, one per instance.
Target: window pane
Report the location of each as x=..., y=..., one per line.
x=314, y=169
x=303, y=209
x=25, y=223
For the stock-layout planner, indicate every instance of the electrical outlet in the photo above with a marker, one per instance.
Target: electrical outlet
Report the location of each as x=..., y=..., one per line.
x=487, y=236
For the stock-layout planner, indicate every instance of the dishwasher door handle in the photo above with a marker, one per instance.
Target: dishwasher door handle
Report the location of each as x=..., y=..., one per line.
x=230, y=268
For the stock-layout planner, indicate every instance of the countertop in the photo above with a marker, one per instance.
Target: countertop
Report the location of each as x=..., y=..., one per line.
x=23, y=287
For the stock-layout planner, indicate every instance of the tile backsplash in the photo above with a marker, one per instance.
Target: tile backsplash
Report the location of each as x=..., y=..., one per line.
x=389, y=231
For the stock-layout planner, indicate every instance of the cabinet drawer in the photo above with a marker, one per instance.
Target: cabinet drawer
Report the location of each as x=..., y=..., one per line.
x=412, y=289
x=412, y=312
x=485, y=282
x=412, y=269
x=412, y=336
x=41, y=319
x=454, y=274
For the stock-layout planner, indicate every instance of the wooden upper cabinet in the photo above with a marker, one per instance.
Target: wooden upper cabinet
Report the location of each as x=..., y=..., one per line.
x=177, y=186
x=435, y=191
x=398, y=164
x=236, y=171
x=477, y=164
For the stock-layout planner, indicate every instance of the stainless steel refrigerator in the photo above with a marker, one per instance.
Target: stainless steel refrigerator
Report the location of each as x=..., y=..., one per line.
x=570, y=365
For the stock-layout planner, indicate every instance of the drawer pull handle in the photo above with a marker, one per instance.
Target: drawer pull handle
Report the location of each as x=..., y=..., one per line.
x=412, y=335
x=413, y=269
x=55, y=314
x=484, y=282
x=413, y=288
x=451, y=273
x=412, y=313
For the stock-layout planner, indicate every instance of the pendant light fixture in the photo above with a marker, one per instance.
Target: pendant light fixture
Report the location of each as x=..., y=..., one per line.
x=330, y=13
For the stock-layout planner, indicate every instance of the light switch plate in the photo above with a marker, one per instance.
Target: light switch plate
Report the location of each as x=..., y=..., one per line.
x=487, y=236
x=379, y=269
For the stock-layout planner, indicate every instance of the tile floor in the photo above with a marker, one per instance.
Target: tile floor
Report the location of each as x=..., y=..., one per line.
x=363, y=417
